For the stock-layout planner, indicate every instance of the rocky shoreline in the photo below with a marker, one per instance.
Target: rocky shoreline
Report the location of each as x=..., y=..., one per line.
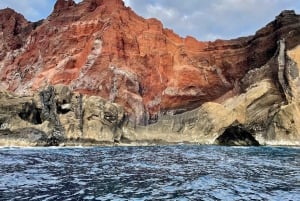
x=266, y=113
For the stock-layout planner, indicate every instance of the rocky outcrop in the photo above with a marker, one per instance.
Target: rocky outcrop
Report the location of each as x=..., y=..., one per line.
x=55, y=116
x=61, y=5
x=96, y=73
x=14, y=29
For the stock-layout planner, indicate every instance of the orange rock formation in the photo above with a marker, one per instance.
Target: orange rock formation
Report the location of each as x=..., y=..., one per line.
x=102, y=48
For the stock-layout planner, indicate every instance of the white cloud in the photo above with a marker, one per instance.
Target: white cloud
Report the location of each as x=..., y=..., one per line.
x=209, y=20
x=127, y=2
x=33, y=10
x=161, y=12
x=204, y=19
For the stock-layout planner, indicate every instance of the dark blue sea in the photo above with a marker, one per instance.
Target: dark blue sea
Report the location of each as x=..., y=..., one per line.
x=150, y=173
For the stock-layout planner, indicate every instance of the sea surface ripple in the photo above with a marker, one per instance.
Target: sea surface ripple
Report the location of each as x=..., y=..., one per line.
x=182, y=172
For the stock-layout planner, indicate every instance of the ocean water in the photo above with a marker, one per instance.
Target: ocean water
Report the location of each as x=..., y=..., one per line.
x=150, y=173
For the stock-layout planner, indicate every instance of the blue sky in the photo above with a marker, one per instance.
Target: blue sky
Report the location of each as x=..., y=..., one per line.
x=203, y=19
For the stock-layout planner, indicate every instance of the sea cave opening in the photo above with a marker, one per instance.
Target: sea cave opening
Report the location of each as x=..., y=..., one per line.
x=236, y=135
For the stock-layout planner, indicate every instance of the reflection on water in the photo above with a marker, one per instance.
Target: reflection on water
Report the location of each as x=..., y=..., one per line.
x=149, y=173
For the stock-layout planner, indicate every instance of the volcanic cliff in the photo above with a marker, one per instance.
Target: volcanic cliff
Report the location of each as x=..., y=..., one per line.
x=97, y=71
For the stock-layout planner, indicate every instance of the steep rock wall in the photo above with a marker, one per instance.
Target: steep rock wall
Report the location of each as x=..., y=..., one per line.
x=103, y=48
x=95, y=72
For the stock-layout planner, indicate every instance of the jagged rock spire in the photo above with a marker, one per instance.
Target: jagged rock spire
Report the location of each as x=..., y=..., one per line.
x=106, y=2
x=62, y=4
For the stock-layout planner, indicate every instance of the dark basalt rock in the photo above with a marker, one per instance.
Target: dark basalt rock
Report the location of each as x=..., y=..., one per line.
x=49, y=112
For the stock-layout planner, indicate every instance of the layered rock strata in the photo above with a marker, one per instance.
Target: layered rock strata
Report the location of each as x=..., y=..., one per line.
x=96, y=73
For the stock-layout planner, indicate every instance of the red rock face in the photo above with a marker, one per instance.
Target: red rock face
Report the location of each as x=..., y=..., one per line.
x=62, y=5
x=13, y=29
x=101, y=47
